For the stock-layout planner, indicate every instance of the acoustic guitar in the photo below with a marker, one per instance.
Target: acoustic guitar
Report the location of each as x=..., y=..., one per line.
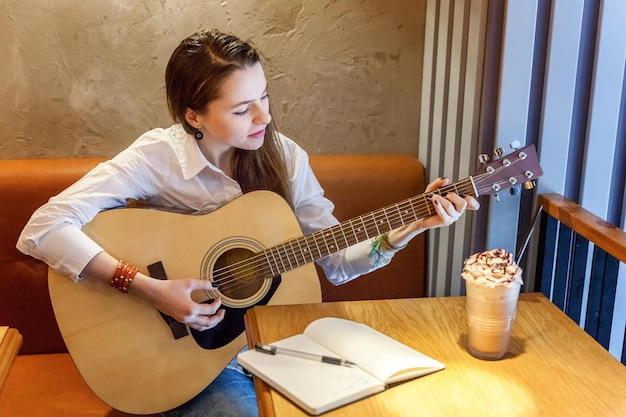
x=141, y=361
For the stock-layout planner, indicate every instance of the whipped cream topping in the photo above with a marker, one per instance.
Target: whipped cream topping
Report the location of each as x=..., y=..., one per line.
x=493, y=267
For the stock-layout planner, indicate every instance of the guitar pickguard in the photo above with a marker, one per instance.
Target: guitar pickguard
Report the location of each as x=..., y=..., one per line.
x=227, y=330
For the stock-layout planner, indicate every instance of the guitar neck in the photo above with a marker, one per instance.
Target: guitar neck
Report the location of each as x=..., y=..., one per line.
x=500, y=174
x=317, y=245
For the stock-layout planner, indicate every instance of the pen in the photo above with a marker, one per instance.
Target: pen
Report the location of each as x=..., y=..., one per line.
x=274, y=350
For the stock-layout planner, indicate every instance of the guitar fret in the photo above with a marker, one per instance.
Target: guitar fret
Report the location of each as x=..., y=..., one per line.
x=411, y=200
x=309, y=249
x=364, y=227
x=345, y=239
x=397, y=207
x=325, y=242
x=356, y=237
x=426, y=205
x=303, y=252
x=355, y=230
x=278, y=261
x=387, y=219
x=294, y=258
x=470, y=187
x=333, y=245
x=278, y=270
x=287, y=256
x=336, y=246
x=376, y=225
x=295, y=255
x=281, y=261
x=316, y=245
x=267, y=259
x=412, y=216
x=410, y=212
x=304, y=248
x=362, y=230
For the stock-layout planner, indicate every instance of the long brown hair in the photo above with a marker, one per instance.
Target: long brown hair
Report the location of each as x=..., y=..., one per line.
x=194, y=76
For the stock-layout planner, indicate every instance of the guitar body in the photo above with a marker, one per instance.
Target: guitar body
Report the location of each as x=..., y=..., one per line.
x=123, y=347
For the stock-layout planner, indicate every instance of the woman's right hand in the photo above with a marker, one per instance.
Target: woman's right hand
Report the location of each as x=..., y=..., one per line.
x=173, y=297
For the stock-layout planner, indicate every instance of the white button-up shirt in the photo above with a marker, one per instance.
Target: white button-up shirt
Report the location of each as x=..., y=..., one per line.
x=166, y=168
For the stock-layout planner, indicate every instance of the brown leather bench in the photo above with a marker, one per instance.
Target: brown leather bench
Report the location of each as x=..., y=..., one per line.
x=44, y=380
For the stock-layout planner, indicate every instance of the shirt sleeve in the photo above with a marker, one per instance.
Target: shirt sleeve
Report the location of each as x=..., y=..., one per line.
x=315, y=212
x=53, y=233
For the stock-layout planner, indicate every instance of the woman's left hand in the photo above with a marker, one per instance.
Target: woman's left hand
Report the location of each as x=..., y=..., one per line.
x=447, y=209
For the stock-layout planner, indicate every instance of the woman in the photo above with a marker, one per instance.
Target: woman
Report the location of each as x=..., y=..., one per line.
x=223, y=144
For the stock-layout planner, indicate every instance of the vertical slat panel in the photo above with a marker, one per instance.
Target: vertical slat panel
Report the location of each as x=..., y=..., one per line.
x=577, y=281
x=617, y=345
x=604, y=117
x=598, y=181
x=440, y=106
x=562, y=268
x=594, y=300
x=560, y=93
x=475, y=17
x=608, y=302
x=451, y=96
x=513, y=110
x=449, y=152
x=624, y=349
x=426, y=116
x=547, y=247
x=430, y=55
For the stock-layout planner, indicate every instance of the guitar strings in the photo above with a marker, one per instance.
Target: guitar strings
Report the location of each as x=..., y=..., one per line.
x=258, y=266
x=368, y=223
x=267, y=272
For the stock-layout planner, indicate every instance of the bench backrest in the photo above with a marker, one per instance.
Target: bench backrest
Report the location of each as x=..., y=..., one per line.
x=356, y=184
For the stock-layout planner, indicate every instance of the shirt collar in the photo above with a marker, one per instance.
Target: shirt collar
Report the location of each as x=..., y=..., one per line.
x=191, y=159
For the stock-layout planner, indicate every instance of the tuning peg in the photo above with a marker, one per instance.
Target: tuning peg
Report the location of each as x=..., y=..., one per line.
x=496, y=197
x=514, y=190
x=515, y=144
x=529, y=185
x=498, y=152
x=483, y=158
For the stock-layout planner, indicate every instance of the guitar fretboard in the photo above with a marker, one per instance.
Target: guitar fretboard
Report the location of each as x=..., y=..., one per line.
x=317, y=245
x=500, y=174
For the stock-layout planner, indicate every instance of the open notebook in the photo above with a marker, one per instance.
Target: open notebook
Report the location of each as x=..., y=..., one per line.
x=318, y=387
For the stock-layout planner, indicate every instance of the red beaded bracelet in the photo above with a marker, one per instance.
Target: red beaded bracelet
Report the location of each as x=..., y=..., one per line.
x=123, y=276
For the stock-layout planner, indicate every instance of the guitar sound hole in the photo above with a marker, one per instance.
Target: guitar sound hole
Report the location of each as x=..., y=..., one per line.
x=240, y=280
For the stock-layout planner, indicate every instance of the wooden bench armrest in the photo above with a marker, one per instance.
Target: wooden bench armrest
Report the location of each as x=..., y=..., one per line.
x=602, y=233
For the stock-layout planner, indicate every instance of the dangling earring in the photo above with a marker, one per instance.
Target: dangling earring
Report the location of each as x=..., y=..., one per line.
x=198, y=135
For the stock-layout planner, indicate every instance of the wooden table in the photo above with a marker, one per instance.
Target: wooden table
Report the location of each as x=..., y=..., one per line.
x=10, y=342
x=552, y=368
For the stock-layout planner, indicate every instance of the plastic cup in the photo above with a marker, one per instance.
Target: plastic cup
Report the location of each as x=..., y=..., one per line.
x=490, y=317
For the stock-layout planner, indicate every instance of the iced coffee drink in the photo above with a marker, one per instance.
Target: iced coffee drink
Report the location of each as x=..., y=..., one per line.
x=493, y=281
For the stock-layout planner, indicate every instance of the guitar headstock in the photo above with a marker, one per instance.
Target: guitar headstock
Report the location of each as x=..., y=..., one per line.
x=518, y=167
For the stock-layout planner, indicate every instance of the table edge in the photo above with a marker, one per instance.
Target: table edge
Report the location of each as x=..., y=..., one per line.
x=9, y=348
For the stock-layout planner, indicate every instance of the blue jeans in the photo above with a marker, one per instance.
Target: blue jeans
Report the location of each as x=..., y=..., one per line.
x=231, y=394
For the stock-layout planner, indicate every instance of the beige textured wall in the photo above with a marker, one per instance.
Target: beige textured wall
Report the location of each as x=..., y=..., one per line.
x=85, y=77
